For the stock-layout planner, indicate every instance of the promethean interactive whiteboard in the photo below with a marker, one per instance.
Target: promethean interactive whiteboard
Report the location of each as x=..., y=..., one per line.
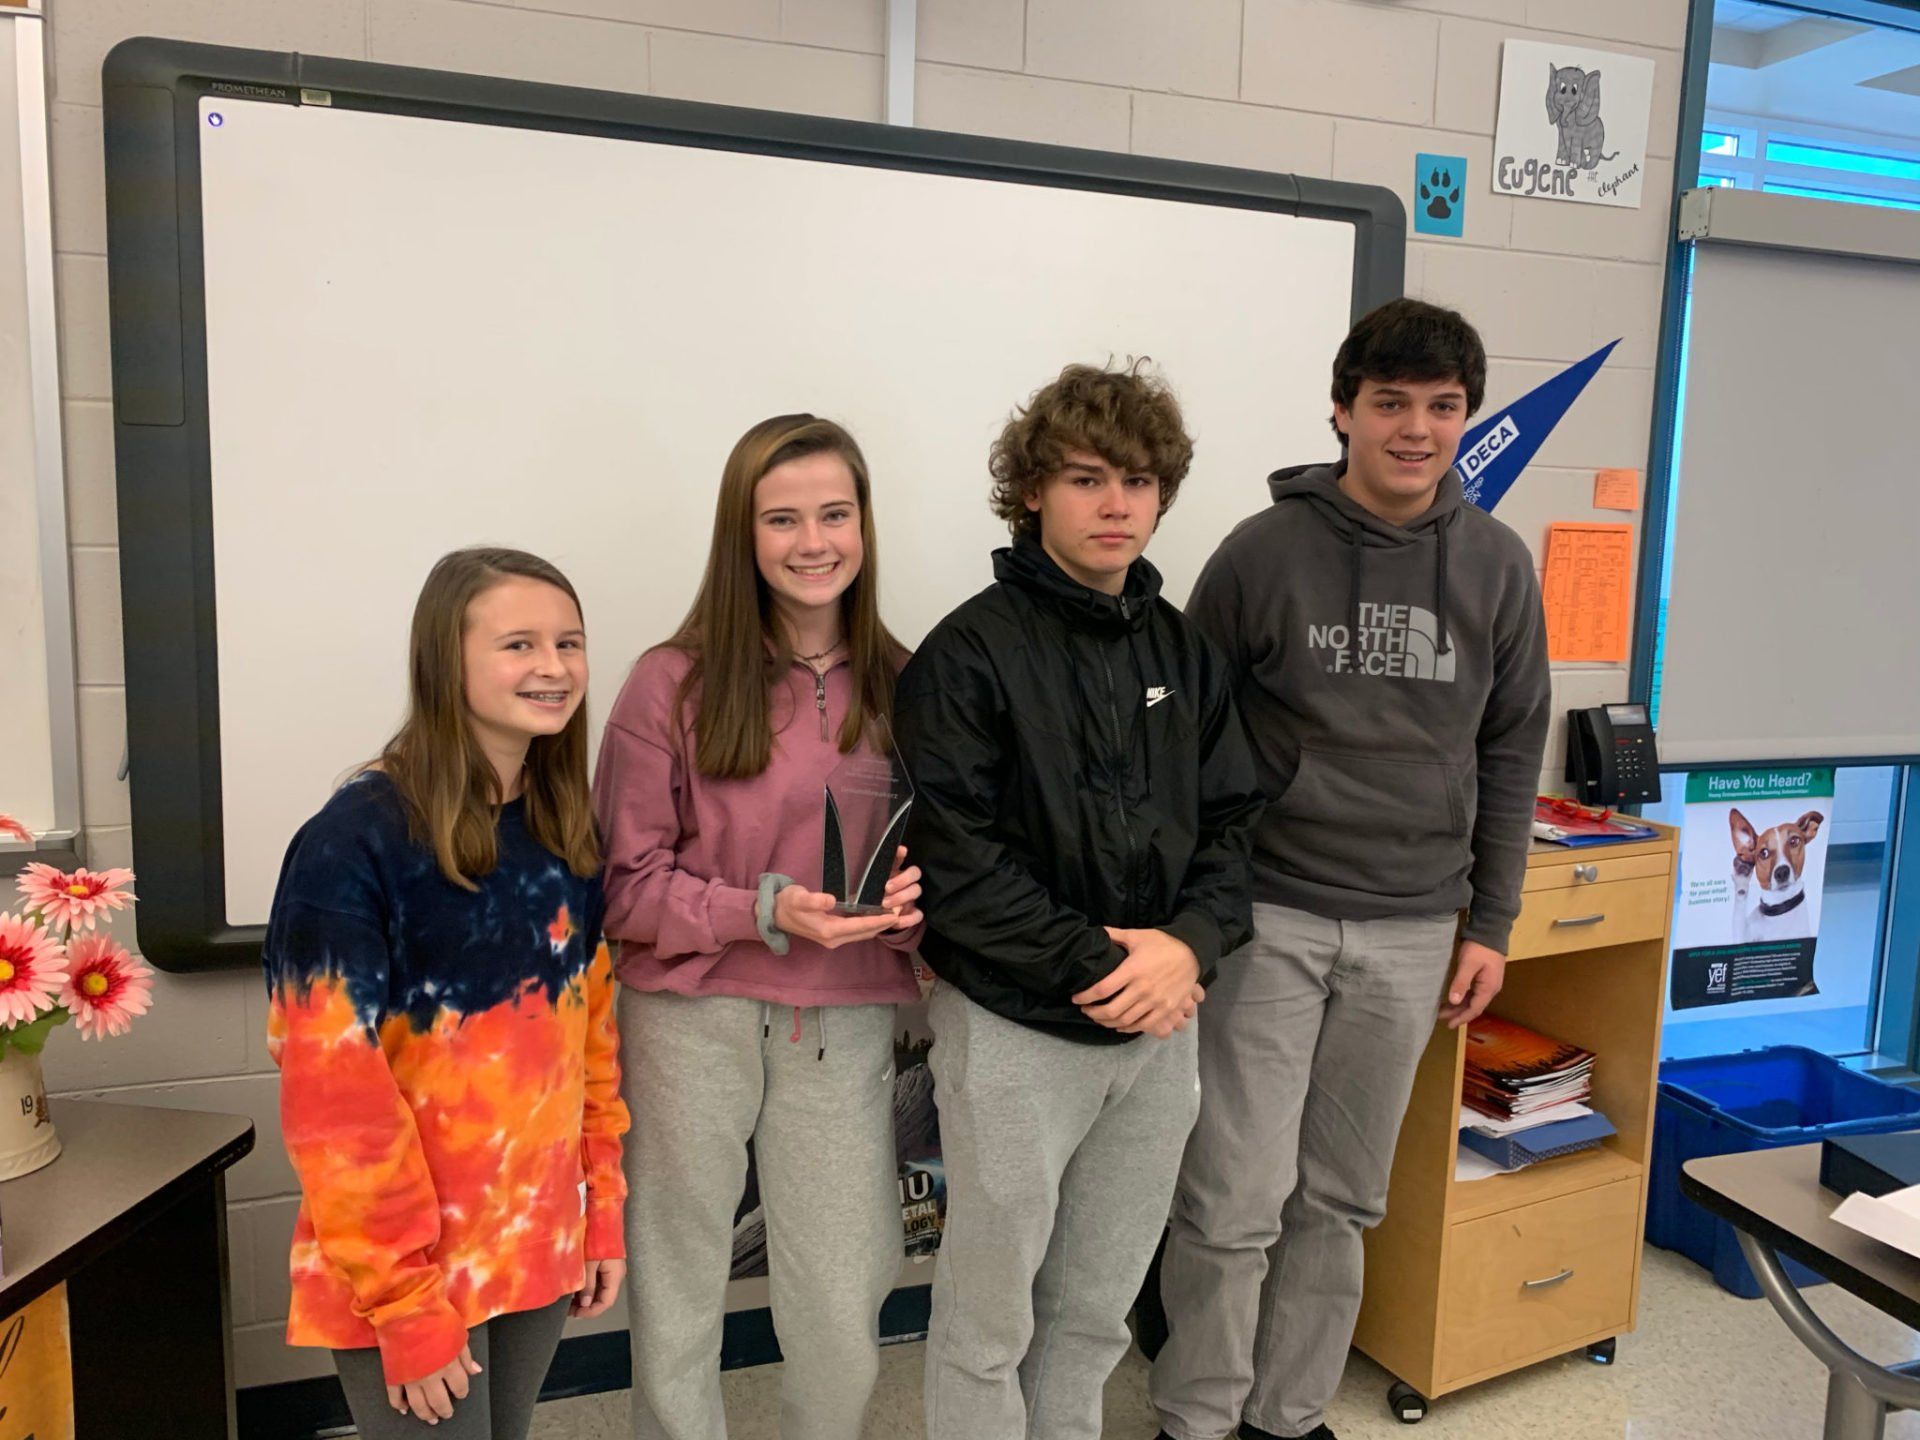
x=364, y=315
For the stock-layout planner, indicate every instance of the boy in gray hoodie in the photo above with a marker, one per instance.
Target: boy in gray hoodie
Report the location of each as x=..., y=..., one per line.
x=1388, y=652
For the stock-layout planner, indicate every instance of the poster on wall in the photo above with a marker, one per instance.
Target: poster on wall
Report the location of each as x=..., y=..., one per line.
x=36, y=1370
x=1752, y=866
x=1497, y=449
x=916, y=1136
x=1573, y=124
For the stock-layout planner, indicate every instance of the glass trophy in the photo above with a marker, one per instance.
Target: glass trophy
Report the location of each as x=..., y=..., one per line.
x=868, y=798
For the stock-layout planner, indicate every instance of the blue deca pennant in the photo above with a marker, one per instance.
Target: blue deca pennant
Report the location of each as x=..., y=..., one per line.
x=1495, y=451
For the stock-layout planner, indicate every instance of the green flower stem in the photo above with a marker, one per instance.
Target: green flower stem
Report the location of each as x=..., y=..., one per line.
x=31, y=1038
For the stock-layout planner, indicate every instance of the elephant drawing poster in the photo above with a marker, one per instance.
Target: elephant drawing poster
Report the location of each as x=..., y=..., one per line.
x=1573, y=124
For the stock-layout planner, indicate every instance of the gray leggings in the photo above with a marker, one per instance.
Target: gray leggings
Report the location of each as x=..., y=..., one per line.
x=513, y=1352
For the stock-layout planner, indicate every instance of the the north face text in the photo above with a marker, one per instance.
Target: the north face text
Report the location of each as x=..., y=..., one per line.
x=1395, y=640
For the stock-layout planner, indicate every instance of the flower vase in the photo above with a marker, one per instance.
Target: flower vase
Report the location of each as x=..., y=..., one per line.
x=27, y=1138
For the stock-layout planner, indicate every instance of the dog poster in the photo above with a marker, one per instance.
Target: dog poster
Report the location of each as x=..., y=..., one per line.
x=1753, y=860
x=1573, y=124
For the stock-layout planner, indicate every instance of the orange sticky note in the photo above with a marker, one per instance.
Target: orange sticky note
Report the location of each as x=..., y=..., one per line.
x=1587, y=591
x=1616, y=490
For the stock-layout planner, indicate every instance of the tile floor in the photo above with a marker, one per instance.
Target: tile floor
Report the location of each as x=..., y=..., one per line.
x=1703, y=1365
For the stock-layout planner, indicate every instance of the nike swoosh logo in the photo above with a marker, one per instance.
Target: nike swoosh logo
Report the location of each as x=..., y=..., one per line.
x=1155, y=695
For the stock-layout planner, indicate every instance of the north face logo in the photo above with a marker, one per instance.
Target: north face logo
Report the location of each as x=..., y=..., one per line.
x=1401, y=640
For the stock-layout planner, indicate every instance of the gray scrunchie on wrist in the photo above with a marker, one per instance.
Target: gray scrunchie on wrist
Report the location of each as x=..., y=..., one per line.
x=771, y=885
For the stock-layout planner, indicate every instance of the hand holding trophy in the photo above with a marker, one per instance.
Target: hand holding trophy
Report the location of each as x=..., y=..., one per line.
x=868, y=799
x=866, y=886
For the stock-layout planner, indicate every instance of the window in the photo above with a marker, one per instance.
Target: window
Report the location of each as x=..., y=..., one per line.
x=1815, y=192
x=1840, y=157
x=1860, y=822
x=1741, y=151
x=1850, y=144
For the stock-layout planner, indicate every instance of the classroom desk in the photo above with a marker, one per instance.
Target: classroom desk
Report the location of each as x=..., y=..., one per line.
x=133, y=1217
x=1774, y=1200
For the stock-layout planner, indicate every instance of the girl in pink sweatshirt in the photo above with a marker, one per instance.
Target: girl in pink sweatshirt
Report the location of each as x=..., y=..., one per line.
x=750, y=1012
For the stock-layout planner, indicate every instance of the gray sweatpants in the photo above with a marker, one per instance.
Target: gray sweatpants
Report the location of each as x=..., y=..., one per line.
x=1308, y=1044
x=1060, y=1162
x=702, y=1075
x=513, y=1351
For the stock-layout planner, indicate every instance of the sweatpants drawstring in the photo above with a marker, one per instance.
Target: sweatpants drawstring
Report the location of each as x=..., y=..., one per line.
x=766, y=1020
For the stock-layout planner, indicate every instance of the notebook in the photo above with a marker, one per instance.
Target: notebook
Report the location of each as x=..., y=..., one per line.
x=1543, y=1142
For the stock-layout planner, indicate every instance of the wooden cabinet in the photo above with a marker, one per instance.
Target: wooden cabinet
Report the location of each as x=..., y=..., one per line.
x=1468, y=1280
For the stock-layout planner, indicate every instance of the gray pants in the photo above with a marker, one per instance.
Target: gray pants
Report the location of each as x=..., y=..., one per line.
x=1060, y=1162
x=513, y=1352
x=702, y=1076
x=1308, y=1044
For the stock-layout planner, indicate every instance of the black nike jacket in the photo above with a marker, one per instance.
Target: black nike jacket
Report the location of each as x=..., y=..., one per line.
x=1077, y=763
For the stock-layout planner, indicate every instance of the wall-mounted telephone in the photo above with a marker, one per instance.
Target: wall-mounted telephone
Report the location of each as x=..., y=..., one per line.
x=1610, y=756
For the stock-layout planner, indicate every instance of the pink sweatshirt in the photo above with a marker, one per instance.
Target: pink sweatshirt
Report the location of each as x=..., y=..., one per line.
x=685, y=853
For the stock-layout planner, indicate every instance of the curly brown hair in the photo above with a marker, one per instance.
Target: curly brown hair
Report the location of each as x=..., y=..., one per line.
x=1128, y=417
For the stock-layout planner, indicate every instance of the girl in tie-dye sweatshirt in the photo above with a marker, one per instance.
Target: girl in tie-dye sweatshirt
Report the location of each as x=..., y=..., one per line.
x=442, y=1014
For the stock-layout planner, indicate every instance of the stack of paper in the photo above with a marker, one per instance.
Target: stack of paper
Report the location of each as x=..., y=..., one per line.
x=1577, y=826
x=1891, y=1219
x=1523, y=1099
x=1513, y=1072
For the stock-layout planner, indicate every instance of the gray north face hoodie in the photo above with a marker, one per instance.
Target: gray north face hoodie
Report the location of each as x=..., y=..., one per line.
x=1393, y=683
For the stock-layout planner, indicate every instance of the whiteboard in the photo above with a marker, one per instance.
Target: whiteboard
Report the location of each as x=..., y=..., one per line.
x=424, y=334
x=1789, y=631
x=390, y=313
x=39, y=769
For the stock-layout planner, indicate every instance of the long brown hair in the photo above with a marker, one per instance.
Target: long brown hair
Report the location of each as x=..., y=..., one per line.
x=450, y=788
x=738, y=647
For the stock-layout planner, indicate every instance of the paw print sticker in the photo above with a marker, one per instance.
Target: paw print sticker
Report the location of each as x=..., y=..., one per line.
x=1439, y=194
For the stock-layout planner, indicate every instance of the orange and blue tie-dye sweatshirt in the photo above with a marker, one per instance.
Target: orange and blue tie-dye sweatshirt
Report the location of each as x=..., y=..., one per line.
x=450, y=1082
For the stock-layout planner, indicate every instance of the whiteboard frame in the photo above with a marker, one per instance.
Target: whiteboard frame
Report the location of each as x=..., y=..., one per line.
x=158, y=324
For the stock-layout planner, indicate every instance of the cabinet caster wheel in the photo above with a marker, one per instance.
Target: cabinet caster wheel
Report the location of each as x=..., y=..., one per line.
x=1408, y=1405
x=1601, y=1352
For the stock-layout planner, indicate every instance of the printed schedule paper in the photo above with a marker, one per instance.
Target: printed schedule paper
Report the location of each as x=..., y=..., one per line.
x=1587, y=591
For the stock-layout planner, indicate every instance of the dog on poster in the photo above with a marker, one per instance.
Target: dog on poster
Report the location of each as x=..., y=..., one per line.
x=1769, y=878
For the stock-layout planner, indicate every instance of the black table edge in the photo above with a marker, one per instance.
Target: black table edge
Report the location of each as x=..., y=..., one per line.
x=23, y=1289
x=1858, y=1282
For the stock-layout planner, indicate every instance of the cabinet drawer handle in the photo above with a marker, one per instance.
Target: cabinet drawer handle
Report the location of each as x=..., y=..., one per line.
x=1569, y=923
x=1550, y=1280
x=1586, y=872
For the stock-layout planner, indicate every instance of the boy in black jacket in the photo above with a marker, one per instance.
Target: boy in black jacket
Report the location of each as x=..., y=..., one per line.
x=1084, y=804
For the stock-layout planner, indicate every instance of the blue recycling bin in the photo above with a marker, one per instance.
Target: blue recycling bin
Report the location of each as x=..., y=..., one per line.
x=1755, y=1100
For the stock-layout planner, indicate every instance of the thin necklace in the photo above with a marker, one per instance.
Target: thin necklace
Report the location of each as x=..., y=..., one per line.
x=811, y=659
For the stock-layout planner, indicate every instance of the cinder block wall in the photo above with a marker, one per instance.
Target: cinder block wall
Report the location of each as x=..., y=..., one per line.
x=1349, y=89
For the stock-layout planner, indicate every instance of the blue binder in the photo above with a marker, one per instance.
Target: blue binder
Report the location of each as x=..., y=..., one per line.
x=1543, y=1142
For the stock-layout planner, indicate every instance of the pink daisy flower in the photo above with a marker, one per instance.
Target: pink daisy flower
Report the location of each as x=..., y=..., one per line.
x=12, y=827
x=72, y=900
x=106, y=987
x=32, y=970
